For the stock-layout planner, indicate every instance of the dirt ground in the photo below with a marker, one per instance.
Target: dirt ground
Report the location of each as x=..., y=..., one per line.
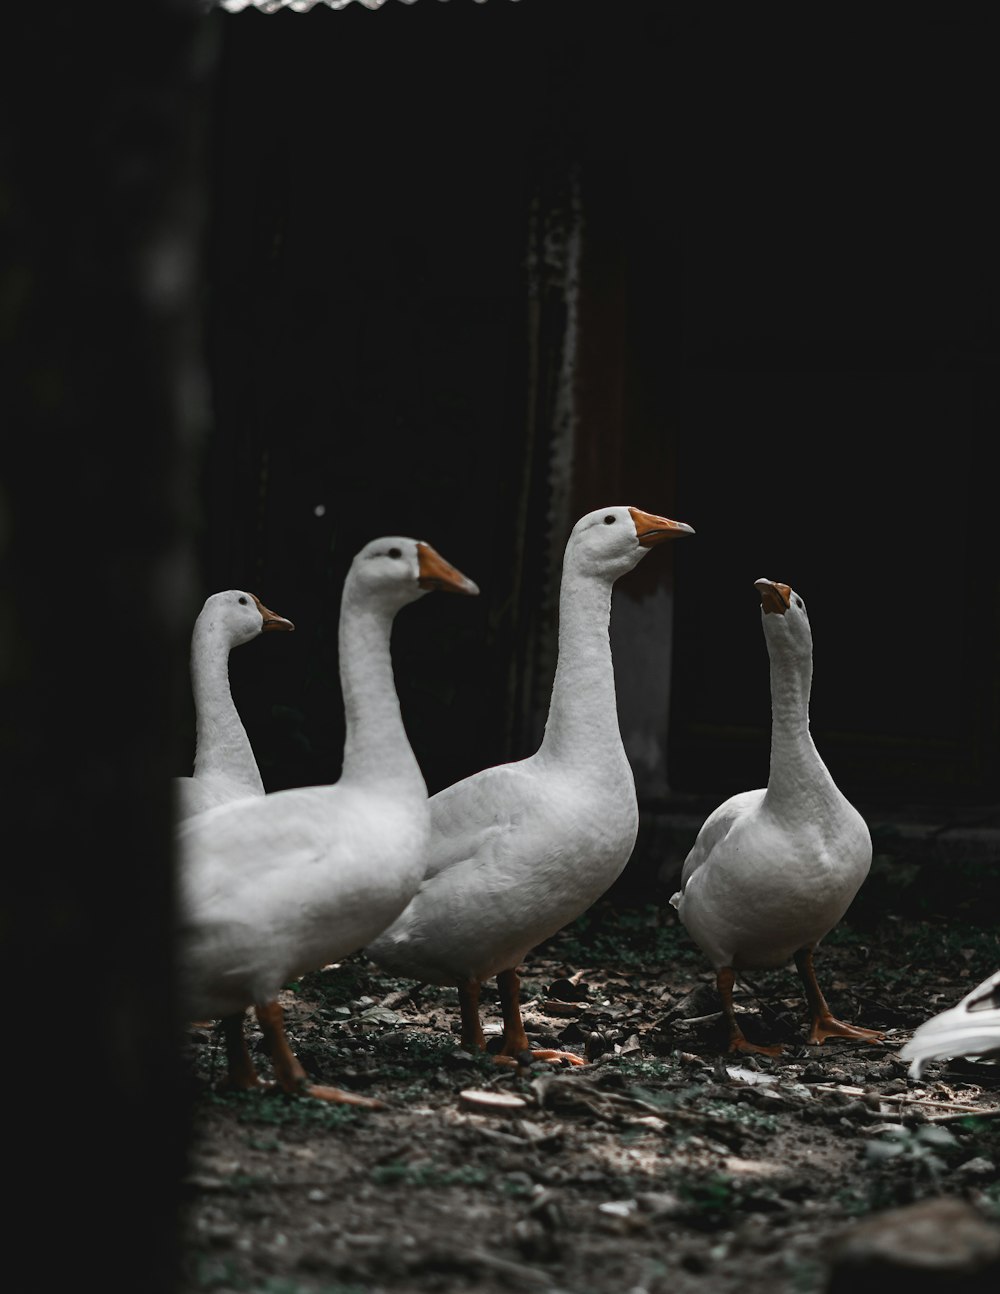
x=665, y=1164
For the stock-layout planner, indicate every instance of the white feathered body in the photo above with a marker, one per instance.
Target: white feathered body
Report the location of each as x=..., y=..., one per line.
x=517, y=852
x=194, y=795
x=759, y=885
x=321, y=870
x=773, y=870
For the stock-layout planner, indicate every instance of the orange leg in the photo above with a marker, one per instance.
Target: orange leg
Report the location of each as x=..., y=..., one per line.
x=468, y=1001
x=515, y=1040
x=288, y=1069
x=241, y=1075
x=824, y=1024
x=725, y=978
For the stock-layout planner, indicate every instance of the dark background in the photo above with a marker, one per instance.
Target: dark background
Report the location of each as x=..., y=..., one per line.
x=259, y=264
x=378, y=347
x=784, y=339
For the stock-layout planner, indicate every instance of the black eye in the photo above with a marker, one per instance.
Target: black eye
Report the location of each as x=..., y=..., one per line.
x=243, y=602
x=609, y=520
x=798, y=602
x=395, y=552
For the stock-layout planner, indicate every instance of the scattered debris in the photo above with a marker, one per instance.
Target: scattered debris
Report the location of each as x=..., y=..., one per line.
x=665, y=1164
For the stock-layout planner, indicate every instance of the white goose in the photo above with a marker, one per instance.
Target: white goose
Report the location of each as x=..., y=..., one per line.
x=224, y=765
x=773, y=870
x=971, y=1028
x=520, y=849
x=274, y=886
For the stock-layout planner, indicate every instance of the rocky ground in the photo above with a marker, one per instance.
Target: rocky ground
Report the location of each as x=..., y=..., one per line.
x=665, y=1164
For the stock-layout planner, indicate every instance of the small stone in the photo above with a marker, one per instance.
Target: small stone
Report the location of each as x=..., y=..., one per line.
x=934, y=1245
x=978, y=1167
x=661, y=1204
x=535, y=1241
x=379, y=1015
x=479, y=1101
x=618, y=1208
x=596, y=1044
x=651, y=1122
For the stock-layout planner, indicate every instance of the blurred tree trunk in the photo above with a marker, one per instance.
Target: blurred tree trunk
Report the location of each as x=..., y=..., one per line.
x=100, y=213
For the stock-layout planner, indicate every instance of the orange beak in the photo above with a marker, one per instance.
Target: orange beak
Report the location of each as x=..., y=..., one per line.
x=271, y=620
x=436, y=573
x=651, y=529
x=774, y=598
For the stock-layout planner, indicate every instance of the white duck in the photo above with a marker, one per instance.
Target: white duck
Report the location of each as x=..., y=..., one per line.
x=274, y=886
x=520, y=849
x=773, y=870
x=971, y=1028
x=224, y=765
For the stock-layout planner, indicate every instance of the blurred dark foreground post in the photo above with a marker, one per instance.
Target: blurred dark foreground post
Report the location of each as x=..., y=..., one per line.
x=100, y=224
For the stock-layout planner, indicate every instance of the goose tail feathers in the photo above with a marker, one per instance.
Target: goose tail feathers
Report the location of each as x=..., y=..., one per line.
x=957, y=1038
x=972, y=1028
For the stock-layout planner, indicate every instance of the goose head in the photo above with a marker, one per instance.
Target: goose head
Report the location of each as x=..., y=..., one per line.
x=609, y=542
x=785, y=620
x=395, y=570
x=239, y=616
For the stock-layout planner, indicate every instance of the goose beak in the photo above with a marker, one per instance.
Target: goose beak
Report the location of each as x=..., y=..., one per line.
x=774, y=597
x=651, y=529
x=436, y=573
x=271, y=620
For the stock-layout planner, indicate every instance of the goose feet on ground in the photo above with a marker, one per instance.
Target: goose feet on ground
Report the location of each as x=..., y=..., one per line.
x=725, y=978
x=515, y=1040
x=830, y=1027
x=740, y=1042
x=291, y=1077
x=338, y=1096
x=515, y=1048
x=824, y=1022
x=545, y=1053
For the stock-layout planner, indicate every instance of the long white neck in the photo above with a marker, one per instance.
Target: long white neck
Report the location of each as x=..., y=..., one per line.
x=221, y=742
x=376, y=747
x=797, y=774
x=583, y=711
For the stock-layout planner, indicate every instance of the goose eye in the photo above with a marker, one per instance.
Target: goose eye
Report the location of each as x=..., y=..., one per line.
x=243, y=602
x=609, y=520
x=395, y=552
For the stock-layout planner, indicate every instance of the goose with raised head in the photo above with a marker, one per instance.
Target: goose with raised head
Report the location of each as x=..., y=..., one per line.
x=971, y=1028
x=773, y=870
x=519, y=850
x=224, y=765
x=276, y=886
